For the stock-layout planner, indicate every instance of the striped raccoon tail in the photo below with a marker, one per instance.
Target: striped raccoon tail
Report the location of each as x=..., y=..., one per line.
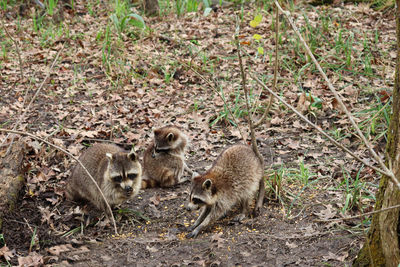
x=149, y=183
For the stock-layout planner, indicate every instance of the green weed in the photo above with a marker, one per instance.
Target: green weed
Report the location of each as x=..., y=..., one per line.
x=354, y=191
x=74, y=231
x=377, y=118
x=33, y=239
x=50, y=6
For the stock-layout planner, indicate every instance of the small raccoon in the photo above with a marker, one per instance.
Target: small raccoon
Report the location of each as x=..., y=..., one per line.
x=117, y=172
x=234, y=178
x=164, y=159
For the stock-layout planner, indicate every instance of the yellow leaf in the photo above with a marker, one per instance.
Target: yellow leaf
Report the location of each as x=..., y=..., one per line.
x=254, y=23
x=260, y=50
x=258, y=18
x=257, y=37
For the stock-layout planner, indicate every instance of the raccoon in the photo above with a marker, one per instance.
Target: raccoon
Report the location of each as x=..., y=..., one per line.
x=234, y=178
x=164, y=159
x=117, y=172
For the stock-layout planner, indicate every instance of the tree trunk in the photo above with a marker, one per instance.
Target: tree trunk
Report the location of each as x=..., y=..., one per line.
x=382, y=245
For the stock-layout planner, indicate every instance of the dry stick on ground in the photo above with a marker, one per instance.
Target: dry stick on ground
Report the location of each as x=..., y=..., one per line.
x=221, y=95
x=271, y=97
x=361, y=215
x=318, y=128
x=73, y=157
x=32, y=100
x=17, y=49
x=387, y=171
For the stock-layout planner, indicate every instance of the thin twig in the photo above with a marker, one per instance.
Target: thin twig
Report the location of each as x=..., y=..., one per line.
x=32, y=100
x=246, y=95
x=73, y=157
x=387, y=171
x=318, y=128
x=17, y=49
x=361, y=215
x=271, y=97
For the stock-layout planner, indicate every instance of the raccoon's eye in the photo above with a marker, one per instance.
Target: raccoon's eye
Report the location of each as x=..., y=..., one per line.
x=117, y=179
x=132, y=176
x=197, y=201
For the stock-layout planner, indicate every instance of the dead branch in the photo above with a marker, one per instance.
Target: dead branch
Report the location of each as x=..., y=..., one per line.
x=361, y=215
x=32, y=100
x=246, y=95
x=318, y=128
x=73, y=157
x=387, y=171
x=271, y=97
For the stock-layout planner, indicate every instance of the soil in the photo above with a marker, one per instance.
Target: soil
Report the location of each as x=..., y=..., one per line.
x=86, y=101
x=267, y=240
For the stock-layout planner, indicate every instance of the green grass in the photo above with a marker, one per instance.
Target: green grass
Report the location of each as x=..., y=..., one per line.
x=357, y=194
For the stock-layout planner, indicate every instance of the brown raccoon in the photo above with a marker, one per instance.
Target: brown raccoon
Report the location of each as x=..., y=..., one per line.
x=117, y=172
x=234, y=178
x=164, y=159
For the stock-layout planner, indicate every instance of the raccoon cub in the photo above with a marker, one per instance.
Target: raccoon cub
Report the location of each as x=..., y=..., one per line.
x=234, y=178
x=117, y=172
x=164, y=159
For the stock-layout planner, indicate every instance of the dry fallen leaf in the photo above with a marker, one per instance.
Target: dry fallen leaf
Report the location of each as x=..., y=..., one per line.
x=6, y=253
x=32, y=260
x=57, y=250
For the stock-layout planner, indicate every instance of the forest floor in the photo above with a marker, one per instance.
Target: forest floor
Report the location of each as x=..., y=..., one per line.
x=112, y=81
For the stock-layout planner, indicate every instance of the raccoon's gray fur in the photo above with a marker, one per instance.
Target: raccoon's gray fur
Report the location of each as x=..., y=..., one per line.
x=234, y=178
x=117, y=172
x=164, y=159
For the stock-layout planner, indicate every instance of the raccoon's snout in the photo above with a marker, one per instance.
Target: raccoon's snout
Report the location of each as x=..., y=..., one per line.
x=128, y=189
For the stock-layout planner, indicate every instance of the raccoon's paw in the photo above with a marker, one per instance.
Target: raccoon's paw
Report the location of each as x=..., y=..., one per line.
x=190, y=228
x=192, y=234
x=256, y=212
x=239, y=218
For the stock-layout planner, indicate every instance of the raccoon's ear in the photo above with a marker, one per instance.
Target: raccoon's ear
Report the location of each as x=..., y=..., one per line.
x=109, y=155
x=170, y=137
x=132, y=155
x=207, y=184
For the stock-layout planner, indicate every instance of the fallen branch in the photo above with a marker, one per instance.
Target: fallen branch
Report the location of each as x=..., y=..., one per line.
x=32, y=100
x=386, y=170
x=361, y=215
x=73, y=157
x=318, y=128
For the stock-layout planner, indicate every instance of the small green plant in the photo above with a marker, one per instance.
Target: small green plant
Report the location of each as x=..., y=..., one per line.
x=377, y=118
x=352, y=190
x=122, y=18
x=50, y=6
x=2, y=240
x=275, y=184
x=3, y=4
x=74, y=231
x=33, y=240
